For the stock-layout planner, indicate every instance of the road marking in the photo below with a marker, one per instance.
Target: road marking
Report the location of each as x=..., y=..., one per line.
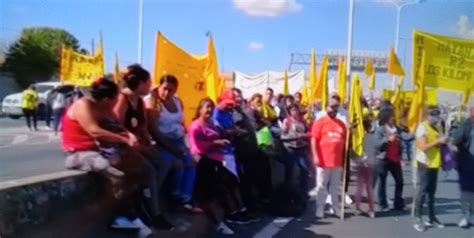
x=20, y=139
x=273, y=227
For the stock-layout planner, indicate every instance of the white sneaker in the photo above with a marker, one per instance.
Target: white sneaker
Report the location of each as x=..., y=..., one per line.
x=123, y=223
x=330, y=211
x=348, y=200
x=224, y=229
x=144, y=229
x=312, y=193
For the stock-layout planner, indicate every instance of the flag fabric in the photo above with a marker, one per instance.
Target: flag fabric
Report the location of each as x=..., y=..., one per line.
x=304, y=94
x=370, y=72
x=211, y=73
x=342, y=79
x=116, y=69
x=221, y=87
x=286, y=90
x=394, y=66
x=356, y=117
x=81, y=69
x=187, y=68
x=397, y=104
x=451, y=60
x=312, y=72
x=416, y=107
x=320, y=89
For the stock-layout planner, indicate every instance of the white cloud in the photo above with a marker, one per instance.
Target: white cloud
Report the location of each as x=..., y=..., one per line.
x=464, y=28
x=267, y=8
x=255, y=46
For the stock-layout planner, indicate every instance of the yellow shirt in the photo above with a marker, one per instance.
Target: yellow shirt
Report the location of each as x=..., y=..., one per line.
x=30, y=98
x=432, y=156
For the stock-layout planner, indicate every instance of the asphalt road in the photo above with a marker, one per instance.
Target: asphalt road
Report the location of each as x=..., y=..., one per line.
x=24, y=153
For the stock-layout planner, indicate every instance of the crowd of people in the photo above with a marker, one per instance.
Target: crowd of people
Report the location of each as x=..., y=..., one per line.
x=222, y=164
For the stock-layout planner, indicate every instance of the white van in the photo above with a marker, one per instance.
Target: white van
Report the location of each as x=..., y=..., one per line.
x=11, y=104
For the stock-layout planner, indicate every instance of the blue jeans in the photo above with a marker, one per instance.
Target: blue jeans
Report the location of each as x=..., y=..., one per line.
x=299, y=157
x=58, y=114
x=184, y=176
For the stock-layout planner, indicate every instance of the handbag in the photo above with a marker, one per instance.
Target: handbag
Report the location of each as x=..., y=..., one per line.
x=447, y=158
x=264, y=137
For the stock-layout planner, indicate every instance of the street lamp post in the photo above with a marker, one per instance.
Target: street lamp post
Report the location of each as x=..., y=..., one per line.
x=399, y=7
x=140, y=31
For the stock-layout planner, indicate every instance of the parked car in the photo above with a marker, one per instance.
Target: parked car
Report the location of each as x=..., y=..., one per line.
x=11, y=104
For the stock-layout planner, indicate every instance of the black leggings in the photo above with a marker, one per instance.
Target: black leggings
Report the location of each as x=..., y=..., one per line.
x=215, y=184
x=29, y=114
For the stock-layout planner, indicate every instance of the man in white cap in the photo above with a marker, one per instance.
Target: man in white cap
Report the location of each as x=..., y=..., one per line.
x=328, y=136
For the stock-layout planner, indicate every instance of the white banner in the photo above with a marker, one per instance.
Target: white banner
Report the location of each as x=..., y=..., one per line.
x=258, y=83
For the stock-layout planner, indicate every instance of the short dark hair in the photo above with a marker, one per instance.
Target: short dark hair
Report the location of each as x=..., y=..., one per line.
x=104, y=88
x=270, y=89
x=384, y=115
x=237, y=90
x=135, y=75
x=168, y=78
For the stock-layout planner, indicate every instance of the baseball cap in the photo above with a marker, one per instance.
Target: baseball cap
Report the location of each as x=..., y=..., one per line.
x=227, y=97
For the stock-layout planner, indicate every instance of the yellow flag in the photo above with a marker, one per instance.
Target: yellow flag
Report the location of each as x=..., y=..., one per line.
x=312, y=72
x=416, y=107
x=397, y=104
x=320, y=89
x=356, y=117
x=370, y=72
x=211, y=74
x=187, y=68
x=116, y=69
x=304, y=94
x=394, y=66
x=286, y=91
x=369, y=67
x=449, y=60
x=342, y=79
x=221, y=87
x=81, y=69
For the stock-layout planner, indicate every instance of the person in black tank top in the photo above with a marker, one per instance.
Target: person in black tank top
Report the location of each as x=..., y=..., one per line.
x=130, y=111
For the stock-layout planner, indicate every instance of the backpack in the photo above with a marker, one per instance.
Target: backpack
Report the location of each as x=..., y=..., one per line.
x=287, y=201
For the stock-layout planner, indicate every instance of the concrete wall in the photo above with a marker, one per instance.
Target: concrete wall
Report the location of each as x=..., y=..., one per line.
x=28, y=202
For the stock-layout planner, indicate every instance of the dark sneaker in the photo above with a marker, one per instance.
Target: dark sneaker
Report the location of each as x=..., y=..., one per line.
x=419, y=226
x=384, y=209
x=161, y=223
x=249, y=217
x=237, y=218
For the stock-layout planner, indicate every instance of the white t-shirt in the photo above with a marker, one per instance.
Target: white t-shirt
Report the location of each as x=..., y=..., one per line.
x=420, y=155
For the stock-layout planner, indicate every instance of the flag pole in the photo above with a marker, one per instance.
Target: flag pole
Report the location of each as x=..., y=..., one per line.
x=348, y=73
x=344, y=164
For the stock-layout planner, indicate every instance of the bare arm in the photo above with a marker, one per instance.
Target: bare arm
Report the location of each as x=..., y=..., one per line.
x=120, y=109
x=90, y=125
x=422, y=143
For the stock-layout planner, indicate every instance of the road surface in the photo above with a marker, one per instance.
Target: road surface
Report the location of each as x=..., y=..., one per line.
x=25, y=153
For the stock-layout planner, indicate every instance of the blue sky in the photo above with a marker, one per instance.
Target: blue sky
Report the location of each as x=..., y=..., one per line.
x=250, y=35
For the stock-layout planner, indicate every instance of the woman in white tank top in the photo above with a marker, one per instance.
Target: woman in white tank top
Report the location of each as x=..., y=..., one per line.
x=166, y=118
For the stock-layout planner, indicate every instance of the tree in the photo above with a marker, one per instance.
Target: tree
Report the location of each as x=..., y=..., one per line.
x=35, y=55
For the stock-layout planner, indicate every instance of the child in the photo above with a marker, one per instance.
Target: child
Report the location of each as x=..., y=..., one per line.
x=365, y=168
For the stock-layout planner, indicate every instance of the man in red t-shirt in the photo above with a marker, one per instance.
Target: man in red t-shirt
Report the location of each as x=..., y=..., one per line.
x=328, y=136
